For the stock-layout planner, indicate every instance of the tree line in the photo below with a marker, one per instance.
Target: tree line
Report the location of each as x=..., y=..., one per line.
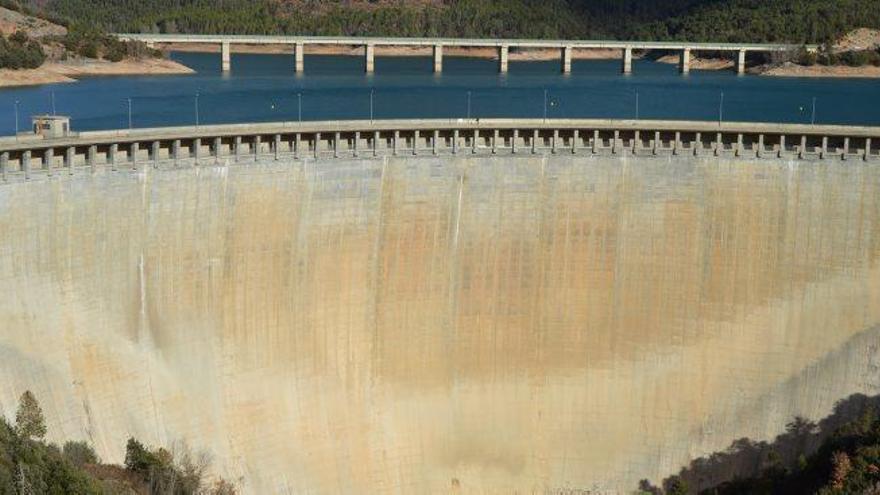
x=29, y=465
x=798, y=21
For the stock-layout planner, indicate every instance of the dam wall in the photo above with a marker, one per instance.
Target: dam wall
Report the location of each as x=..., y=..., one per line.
x=468, y=323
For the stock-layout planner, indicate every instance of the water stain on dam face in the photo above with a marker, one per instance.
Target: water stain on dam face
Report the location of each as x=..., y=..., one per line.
x=414, y=325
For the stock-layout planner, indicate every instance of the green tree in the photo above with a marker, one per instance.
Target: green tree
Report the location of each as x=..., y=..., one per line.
x=29, y=422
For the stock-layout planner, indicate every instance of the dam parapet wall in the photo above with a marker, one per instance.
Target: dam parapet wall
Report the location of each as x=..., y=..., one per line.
x=204, y=145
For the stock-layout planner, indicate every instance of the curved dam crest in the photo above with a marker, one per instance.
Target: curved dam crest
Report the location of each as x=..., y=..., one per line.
x=480, y=324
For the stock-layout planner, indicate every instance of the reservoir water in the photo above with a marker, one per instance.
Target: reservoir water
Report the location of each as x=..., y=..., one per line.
x=266, y=88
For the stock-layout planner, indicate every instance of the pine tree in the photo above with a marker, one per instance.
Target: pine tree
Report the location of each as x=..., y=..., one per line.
x=29, y=422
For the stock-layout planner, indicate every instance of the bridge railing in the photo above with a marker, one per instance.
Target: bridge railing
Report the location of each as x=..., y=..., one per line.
x=88, y=152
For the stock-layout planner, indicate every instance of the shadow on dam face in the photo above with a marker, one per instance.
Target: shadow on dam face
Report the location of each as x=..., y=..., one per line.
x=425, y=325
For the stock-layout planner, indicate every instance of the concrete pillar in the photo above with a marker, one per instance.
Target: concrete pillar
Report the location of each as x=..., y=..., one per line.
x=155, y=153
x=438, y=58
x=760, y=152
x=4, y=164
x=574, y=142
x=300, y=56
x=236, y=147
x=595, y=141
x=258, y=143
x=225, y=56
x=502, y=59
x=566, y=59
x=455, y=141
x=175, y=151
x=677, y=144
x=824, y=151
x=553, y=141
x=369, y=59
x=336, y=137
x=474, y=140
x=218, y=145
x=636, y=143
x=277, y=145
x=297, y=140
x=317, y=144
x=698, y=143
x=781, y=145
x=415, y=148
x=26, y=164
x=741, y=62
x=434, y=141
x=627, y=60
x=133, y=151
x=92, y=157
x=48, y=157
x=513, y=142
x=739, y=145
x=394, y=142
x=803, y=147
x=196, y=149
x=534, y=141
x=684, y=64
x=656, y=146
x=69, y=156
x=111, y=156
x=718, y=144
x=867, y=149
x=375, y=143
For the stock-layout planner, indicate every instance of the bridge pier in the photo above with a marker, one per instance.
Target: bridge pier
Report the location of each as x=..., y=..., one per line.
x=299, y=56
x=502, y=58
x=438, y=58
x=225, y=56
x=627, y=60
x=566, y=59
x=369, y=58
x=684, y=64
x=741, y=62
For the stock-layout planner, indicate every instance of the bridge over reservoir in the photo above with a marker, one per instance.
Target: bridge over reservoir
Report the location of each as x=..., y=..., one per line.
x=370, y=44
x=441, y=306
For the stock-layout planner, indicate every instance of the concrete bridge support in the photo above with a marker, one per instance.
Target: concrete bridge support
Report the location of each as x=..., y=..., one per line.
x=369, y=58
x=684, y=64
x=741, y=62
x=299, y=56
x=225, y=56
x=566, y=60
x=438, y=58
x=502, y=58
x=627, y=60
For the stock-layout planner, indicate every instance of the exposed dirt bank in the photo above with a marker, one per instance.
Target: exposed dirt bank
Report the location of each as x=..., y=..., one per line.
x=64, y=72
x=697, y=63
x=790, y=69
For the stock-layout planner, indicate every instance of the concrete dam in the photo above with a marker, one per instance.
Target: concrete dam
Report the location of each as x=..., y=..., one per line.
x=414, y=321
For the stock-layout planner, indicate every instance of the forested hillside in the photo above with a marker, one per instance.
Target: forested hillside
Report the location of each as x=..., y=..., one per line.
x=696, y=20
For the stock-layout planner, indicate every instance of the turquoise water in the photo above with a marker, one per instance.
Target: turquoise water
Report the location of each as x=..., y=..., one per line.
x=266, y=88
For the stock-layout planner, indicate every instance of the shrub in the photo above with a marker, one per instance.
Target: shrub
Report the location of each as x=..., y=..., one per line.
x=79, y=453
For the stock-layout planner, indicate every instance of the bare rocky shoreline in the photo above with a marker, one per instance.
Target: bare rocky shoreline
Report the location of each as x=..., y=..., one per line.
x=71, y=71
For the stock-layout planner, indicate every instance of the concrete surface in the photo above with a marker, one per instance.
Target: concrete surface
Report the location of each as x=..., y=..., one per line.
x=456, y=324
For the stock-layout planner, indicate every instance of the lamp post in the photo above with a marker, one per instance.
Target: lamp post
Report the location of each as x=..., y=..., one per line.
x=545, y=105
x=813, y=115
x=52, y=97
x=16, y=119
x=721, y=109
x=468, y=105
x=372, y=92
x=129, y=114
x=299, y=106
x=197, y=108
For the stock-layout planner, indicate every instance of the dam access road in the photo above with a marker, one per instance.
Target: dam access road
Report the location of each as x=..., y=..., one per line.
x=457, y=306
